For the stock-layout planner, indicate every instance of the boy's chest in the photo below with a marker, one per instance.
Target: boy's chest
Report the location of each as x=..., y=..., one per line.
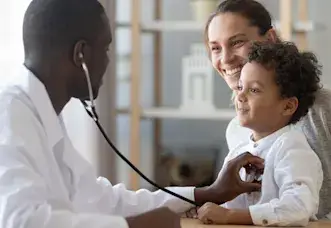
x=264, y=176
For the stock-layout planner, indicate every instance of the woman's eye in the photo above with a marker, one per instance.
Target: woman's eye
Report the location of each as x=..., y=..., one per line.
x=215, y=48
x=237, y=42
x=239, y=88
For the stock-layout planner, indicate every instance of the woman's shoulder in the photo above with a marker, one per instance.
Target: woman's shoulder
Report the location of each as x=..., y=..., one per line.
x=235, y=133
x=323, y=98
x=317, y=123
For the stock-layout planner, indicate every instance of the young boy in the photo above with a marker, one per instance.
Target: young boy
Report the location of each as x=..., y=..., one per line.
x=277, y=86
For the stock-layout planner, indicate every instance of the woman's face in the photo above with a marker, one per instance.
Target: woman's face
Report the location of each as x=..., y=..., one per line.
x=230, y=36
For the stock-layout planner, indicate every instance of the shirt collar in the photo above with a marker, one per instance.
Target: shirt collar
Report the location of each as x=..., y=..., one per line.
x=266, y=141
x=39, y=97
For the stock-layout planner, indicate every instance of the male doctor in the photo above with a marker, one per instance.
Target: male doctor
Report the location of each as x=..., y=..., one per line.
x=44, y=182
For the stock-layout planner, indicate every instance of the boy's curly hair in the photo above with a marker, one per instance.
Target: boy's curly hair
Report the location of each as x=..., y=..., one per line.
x=297, y=74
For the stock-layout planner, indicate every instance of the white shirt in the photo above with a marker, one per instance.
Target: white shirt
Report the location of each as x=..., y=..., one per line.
x=316, y=126
x=45, y=183
x=291, y=180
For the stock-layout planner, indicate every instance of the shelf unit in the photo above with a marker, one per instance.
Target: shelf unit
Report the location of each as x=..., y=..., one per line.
x=285, y=26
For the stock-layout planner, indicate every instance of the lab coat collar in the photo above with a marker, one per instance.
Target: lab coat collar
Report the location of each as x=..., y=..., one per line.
x=37, y=92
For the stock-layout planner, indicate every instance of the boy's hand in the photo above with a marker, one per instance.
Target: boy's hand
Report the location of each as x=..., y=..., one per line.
x=211, y=213
x=192, y=213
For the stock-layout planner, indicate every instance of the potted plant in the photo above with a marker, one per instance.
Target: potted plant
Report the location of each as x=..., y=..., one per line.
x=201, y=9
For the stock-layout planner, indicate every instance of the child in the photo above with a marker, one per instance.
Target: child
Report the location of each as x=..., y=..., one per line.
x=277, y=86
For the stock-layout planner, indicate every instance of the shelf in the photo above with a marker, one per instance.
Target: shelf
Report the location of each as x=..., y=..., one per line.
x=153, y=26
x=175, y=113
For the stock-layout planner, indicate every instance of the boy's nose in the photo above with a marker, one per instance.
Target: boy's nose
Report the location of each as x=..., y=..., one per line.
x=241, y=96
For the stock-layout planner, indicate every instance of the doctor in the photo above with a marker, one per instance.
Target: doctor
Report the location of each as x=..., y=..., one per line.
x=44, y=182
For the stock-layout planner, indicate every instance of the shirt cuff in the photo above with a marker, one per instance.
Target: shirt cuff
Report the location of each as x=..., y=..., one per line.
x=263, y=215
x=181, y=205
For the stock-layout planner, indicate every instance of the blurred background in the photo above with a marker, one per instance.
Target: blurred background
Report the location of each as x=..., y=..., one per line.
x=140, y=101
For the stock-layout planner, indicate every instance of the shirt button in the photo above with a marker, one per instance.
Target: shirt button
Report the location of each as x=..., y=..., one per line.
x=255, y=145
x=265, y=222
x=298, y=183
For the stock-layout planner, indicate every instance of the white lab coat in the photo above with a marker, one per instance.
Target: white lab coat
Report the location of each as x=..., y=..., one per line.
x=45, y=183
x=291, y=181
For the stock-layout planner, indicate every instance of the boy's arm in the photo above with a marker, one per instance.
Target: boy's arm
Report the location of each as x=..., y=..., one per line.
x=239, y=217
x=298, y=175
x=211, y=213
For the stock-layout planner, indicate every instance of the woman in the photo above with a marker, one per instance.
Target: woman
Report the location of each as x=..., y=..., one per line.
x=229, y=33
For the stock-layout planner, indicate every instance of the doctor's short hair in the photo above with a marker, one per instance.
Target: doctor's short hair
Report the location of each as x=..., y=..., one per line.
x=297, y=74
x=51, y=25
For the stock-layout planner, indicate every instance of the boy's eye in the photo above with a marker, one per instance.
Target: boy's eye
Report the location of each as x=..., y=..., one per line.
x=254, y=90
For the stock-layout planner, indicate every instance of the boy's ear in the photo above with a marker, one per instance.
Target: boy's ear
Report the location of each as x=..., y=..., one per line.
x=290, y=106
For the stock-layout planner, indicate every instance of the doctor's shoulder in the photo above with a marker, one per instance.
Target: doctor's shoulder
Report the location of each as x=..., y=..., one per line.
x=8, y=95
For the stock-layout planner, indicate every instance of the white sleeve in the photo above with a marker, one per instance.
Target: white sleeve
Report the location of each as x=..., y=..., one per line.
x=298, y=174
x=127, y=203
x=24, y=199
x=235, y=134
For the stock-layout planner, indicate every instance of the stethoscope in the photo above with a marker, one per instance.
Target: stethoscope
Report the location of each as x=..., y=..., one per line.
x=90, y=109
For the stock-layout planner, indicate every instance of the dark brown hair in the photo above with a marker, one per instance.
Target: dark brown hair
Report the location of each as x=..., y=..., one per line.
x=253, y=11
x=297, y=74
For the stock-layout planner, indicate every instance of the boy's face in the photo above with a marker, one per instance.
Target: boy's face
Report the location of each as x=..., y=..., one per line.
x=258, y=102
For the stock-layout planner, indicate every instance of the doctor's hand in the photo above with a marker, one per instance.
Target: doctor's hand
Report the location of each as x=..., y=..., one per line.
x=161, y=218
x=228, y=184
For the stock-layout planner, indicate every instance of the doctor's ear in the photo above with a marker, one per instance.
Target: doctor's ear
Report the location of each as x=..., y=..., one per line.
x=80, y=53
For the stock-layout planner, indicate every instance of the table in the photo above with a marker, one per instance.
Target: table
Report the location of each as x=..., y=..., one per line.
x=194, y=223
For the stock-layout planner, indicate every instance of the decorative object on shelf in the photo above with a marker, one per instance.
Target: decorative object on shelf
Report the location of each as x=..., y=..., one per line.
x=201, y=9
x=197, y=81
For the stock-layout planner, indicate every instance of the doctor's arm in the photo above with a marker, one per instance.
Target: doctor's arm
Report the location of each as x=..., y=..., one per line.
x=27, y=201
x=227, y=186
